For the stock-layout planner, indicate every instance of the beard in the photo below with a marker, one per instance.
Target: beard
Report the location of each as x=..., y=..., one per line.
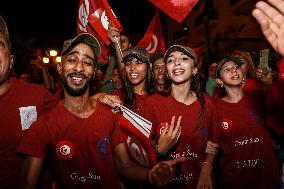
x=76, y=91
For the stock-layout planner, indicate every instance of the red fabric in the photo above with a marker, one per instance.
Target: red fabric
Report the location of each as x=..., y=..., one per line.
x=248, y=159
x=153, y=39
x=252, y=85
x=140, y=147
x=135, y=147
x=193, y=138
x=21, y=95
x=177, y=9
x=280, y=66
x=86, y=160
x=93, y=18
x=275, y=101
x=111, y=16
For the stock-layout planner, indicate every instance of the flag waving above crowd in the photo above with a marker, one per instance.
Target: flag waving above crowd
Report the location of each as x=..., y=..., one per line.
x=177, y=9
x=153, y=39
x=94, y=17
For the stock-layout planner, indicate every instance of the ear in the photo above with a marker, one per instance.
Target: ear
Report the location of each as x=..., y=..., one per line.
x=219, y=81
x=195, y=70
x=59, y=67
x=11, y=61
x=130, y=45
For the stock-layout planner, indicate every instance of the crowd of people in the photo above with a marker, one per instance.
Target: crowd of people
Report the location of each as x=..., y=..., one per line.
x=66, y=132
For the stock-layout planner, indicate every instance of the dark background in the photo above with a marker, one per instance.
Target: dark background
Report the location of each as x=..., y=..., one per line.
x=47, y=23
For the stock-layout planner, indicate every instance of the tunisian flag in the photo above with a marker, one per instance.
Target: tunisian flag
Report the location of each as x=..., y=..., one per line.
x=153, y=39
x=93, y=18
x=177, y=9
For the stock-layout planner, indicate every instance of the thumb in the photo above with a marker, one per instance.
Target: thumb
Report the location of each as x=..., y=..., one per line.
x=176, y=161
x=180, y=159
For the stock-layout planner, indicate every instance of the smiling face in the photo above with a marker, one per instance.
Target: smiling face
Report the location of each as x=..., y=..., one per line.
x=230, y=74
x=159, y=71
x=78, y=69
x=180, y=67
x=136, y=71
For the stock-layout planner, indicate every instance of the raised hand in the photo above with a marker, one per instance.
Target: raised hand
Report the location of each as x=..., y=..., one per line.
x=271, y=20
x=170, y=135
x=113, y=35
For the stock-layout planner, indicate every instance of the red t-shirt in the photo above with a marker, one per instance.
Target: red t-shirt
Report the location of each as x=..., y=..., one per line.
x=81, y=149
x=193, y=139
x=248, y=159
x=275, y=101
x=20, y=107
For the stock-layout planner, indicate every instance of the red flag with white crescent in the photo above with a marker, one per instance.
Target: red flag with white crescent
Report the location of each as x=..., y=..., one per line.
x=177, y=9
x=93, y=18
x=153, y=39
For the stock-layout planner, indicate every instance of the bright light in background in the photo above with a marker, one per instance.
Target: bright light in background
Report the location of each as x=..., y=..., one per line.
x=45, y=60
x=53, y=53
x=58, y=59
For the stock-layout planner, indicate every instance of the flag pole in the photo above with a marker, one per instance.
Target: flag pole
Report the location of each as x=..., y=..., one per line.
x=118, y=44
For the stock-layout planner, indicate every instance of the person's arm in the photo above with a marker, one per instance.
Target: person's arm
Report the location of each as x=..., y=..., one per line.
x=110, y=100
x=114, y=36
x=271, y=20
x=31, y=171
x=160, y=175
x=205, y=178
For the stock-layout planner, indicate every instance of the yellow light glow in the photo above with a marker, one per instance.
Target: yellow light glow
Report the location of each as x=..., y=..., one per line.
x=53, y=53
x=45, y=60
x=58, y=59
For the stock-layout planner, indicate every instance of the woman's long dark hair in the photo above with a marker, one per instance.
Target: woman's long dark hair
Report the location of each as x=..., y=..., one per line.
x=195, y=85
x=127, y=88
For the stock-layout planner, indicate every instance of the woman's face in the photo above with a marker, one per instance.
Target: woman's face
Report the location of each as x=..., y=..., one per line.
x=180, y=67
x=136, y=71
x=231, y=74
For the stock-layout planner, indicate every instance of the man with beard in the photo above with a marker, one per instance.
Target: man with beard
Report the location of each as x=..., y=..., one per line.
x=80, y=135
x=21, y=103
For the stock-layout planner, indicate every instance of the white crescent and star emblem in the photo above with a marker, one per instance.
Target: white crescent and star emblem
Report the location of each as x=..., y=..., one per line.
x=84, y=11
x=104, y=20
x=152, y=47
x=137, y=151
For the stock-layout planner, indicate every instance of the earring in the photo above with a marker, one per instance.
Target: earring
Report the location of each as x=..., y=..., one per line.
x=222, y=85
x=243, y=81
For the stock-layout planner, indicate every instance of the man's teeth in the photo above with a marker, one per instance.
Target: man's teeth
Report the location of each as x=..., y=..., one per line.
x=77, y=79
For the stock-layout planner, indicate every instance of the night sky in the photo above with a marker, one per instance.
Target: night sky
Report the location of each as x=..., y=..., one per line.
x=50, y=22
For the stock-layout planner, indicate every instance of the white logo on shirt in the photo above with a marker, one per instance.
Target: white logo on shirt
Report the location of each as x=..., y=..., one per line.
x=137, y=151
x=225, y=125
x=28, y=116
x=65, y=150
